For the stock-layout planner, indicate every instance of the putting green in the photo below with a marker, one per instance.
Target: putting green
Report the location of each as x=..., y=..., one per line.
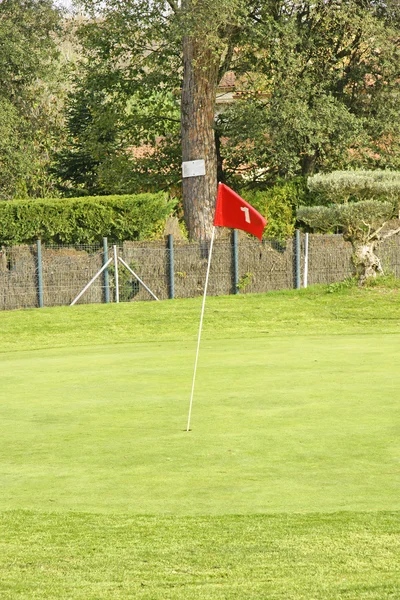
x=279, y=424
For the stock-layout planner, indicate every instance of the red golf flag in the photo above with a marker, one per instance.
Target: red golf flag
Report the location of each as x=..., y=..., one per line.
x=234, y=212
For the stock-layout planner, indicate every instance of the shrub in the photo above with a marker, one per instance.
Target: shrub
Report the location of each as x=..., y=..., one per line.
x=278, y=205
x=84, y=220
x=343, y=186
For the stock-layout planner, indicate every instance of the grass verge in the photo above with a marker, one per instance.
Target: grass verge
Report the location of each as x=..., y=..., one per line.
x=317, y=310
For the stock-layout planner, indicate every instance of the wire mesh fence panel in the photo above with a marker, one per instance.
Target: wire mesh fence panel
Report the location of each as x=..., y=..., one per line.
x=150, y=262
x=329, y=259
x=191, y=266
x=18, y=277
x=190, y=270
x=66, y=271
x=265, y=267
x=221, y=271
x=389, y=253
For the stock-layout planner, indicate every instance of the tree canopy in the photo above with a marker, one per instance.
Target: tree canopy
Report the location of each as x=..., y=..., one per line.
x=321, y=91
x=317, y=90
x=29, y=111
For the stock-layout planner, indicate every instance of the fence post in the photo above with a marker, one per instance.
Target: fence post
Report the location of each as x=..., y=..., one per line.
x=40, y=272
x=106, y=275
x=235, y=257
x=305, y=277
x=116, y=274
x=171, y=266
x=297, y=259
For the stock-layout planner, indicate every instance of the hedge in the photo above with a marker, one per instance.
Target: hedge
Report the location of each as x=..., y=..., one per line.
x=84, y=220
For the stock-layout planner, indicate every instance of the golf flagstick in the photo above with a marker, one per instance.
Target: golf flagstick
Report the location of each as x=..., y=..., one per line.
x=235, y=213
x=200, y=328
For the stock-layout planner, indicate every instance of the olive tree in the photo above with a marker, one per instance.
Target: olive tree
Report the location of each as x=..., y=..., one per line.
x=363, y=206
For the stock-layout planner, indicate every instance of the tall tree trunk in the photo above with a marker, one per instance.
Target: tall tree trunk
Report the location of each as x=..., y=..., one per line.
x=308, y=164
x=199, y=89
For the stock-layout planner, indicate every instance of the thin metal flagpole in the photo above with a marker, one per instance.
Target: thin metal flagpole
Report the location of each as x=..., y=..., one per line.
x=200, y=328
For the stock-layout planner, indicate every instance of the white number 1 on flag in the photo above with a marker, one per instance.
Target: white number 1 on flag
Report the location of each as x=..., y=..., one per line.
x=246, y=213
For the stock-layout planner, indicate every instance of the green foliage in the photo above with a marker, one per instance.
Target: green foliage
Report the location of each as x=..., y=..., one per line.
x=30, y=96
x=357, y=220
x=106, y=124
x=363, y=202
x=84, y=220
x=278, y=205
x=342, y=186
x=13, y=159
x=320, y=83
x=128, y=285
x=341, y=286
x=287, y=134
x=26, y=50
x=245, y=281
x=123, y=98
x=366, y=212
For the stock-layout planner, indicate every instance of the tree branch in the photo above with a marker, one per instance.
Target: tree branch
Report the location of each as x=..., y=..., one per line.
x=353, y=46
x=369, y=229
x=391, y=233
x=227, y=60
x=173, y=5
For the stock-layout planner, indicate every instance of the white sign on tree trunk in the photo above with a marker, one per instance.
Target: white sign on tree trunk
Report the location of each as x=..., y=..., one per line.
x=193, y=168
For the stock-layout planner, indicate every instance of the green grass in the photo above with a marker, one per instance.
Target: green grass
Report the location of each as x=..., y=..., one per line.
x=286, y=487
x=346, y=556
x=317, y=310
x=281, y=424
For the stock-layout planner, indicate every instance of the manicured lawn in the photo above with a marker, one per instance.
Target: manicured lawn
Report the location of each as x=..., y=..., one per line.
x=283, y=424
x=346, y=556
x=288, y=481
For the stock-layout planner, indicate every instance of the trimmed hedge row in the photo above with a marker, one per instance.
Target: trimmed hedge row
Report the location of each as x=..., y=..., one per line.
x=84, y=220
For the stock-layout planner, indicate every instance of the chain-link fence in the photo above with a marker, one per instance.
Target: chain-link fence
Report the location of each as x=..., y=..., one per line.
x=39, y=275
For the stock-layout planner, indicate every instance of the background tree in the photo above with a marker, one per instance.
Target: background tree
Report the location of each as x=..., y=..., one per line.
x=180, y=50
x=30, y=116
x=319, y=83
x=320, y=91
x=106, y=131
x=364, y=206
x=125, y=96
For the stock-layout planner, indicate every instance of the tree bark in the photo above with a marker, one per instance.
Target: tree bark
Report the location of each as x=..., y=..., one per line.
x=366, y=262
x=200, y=80
x=308, y=164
